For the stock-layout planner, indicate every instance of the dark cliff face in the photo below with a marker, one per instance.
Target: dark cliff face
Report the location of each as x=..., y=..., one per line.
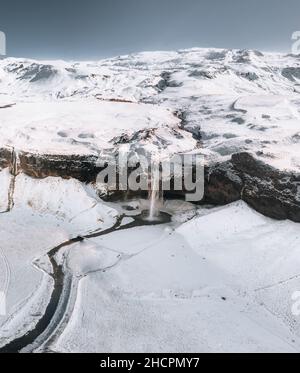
x=6, y=158
x=273, y=193
x=82, y=168
x=222, y=184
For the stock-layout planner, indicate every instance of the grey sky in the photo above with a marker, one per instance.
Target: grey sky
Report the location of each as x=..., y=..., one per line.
x=90, y=29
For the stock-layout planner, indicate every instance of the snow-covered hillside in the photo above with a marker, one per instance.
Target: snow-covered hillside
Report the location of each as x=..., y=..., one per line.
x=211, y=280
x=231, y=100
x=84, y=275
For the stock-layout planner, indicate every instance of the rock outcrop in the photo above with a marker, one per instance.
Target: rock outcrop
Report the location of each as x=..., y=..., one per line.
x=273, y=193
x=5, y=157
x=80, y=167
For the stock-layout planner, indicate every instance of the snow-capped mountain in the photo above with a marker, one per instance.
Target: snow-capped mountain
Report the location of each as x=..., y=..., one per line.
x=140, y=76
x=87, y=275
x=231, y=100
x=236, y=107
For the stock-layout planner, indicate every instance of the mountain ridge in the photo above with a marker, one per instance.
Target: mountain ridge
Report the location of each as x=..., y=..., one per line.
x=219, y=103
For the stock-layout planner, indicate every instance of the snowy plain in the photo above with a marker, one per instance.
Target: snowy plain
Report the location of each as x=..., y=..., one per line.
x=213, y=279
x=229, y=271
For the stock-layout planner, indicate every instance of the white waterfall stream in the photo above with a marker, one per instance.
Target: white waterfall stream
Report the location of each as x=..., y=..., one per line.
x=154, y=192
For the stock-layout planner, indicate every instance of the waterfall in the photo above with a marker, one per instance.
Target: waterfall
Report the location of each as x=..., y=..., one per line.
x=154, y=192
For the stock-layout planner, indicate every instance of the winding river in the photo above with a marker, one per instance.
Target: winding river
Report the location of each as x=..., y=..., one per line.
x=59, y=299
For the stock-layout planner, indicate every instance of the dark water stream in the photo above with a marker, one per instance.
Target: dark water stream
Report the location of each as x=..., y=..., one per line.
x=58, y=303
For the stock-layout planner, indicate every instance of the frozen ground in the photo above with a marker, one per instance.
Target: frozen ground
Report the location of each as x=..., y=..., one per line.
x=192, y=287
x=86, y=127
x=238, y=100
x=45, y=213
x=212, y=279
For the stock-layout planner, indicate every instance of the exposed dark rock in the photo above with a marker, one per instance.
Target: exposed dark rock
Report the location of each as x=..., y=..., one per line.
x=163, y=83
x=238, y=120
x=243, y=57
x=166, y=82
x=216, y=55
x=13, y=68
x=188, y=125
x=139, y=135
x=5, y=157
x=296, y=137
x=82, y=168
x=222, y=185
x=250, y=76
x=230, y=136
x=36, y=72
x=258, y=53
x=6, y=106
x=202, y=74
x=272, y=192
x=71, y=70
x=291, y=73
